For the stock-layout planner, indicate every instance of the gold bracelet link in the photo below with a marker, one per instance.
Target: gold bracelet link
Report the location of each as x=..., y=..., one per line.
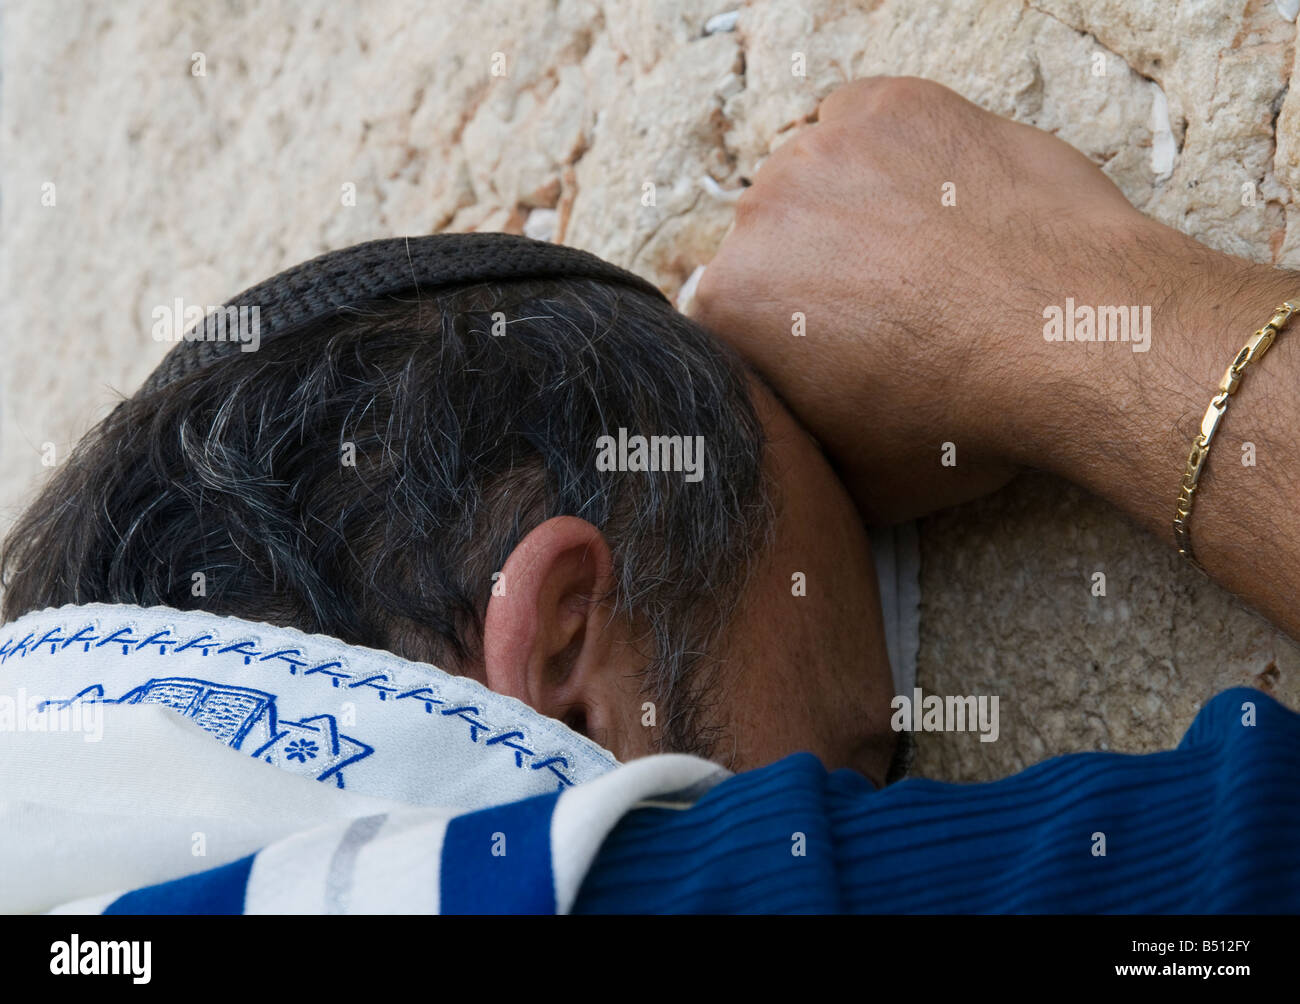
x=1250, y=353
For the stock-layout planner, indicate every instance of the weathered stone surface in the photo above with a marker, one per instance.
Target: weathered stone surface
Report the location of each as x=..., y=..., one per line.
x=170, y=184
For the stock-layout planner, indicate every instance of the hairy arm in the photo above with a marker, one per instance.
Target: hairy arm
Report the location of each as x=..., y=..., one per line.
x=1121, y=424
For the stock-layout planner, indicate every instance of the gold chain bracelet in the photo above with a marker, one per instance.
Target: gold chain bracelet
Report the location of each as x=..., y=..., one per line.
x=1251, y=352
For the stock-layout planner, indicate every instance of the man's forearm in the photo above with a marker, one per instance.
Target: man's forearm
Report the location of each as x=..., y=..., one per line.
x=1121, y=423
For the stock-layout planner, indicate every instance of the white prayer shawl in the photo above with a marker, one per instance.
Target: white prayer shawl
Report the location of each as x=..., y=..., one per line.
x=141, y=746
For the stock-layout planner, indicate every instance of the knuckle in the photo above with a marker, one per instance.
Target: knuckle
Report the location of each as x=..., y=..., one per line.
x=749, y=204
x=715, y=300
x=823, y=140
x=705, y=301
x=852, y=98
x=909, y=90
x=871, y=96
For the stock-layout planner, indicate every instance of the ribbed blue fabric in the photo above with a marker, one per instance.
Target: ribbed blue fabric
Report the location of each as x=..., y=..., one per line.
x=1210, y=827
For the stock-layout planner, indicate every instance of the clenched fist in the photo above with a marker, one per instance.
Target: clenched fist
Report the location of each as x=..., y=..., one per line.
x=915, y=240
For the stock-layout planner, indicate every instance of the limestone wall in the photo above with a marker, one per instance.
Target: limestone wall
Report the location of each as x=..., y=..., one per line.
x=169, y=183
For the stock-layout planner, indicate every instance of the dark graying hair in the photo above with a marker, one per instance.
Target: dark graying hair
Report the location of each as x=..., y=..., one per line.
x=464, y=441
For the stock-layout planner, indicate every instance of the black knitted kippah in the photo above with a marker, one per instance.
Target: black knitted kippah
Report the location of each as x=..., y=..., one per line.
x=394, y=266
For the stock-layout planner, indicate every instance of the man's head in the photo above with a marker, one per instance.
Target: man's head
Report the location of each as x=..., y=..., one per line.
x=426, y=477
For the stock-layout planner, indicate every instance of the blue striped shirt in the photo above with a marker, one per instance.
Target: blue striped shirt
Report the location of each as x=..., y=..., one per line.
x=1209, y=827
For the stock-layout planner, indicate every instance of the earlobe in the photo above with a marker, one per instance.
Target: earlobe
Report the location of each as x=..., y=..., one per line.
x=545, y=633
